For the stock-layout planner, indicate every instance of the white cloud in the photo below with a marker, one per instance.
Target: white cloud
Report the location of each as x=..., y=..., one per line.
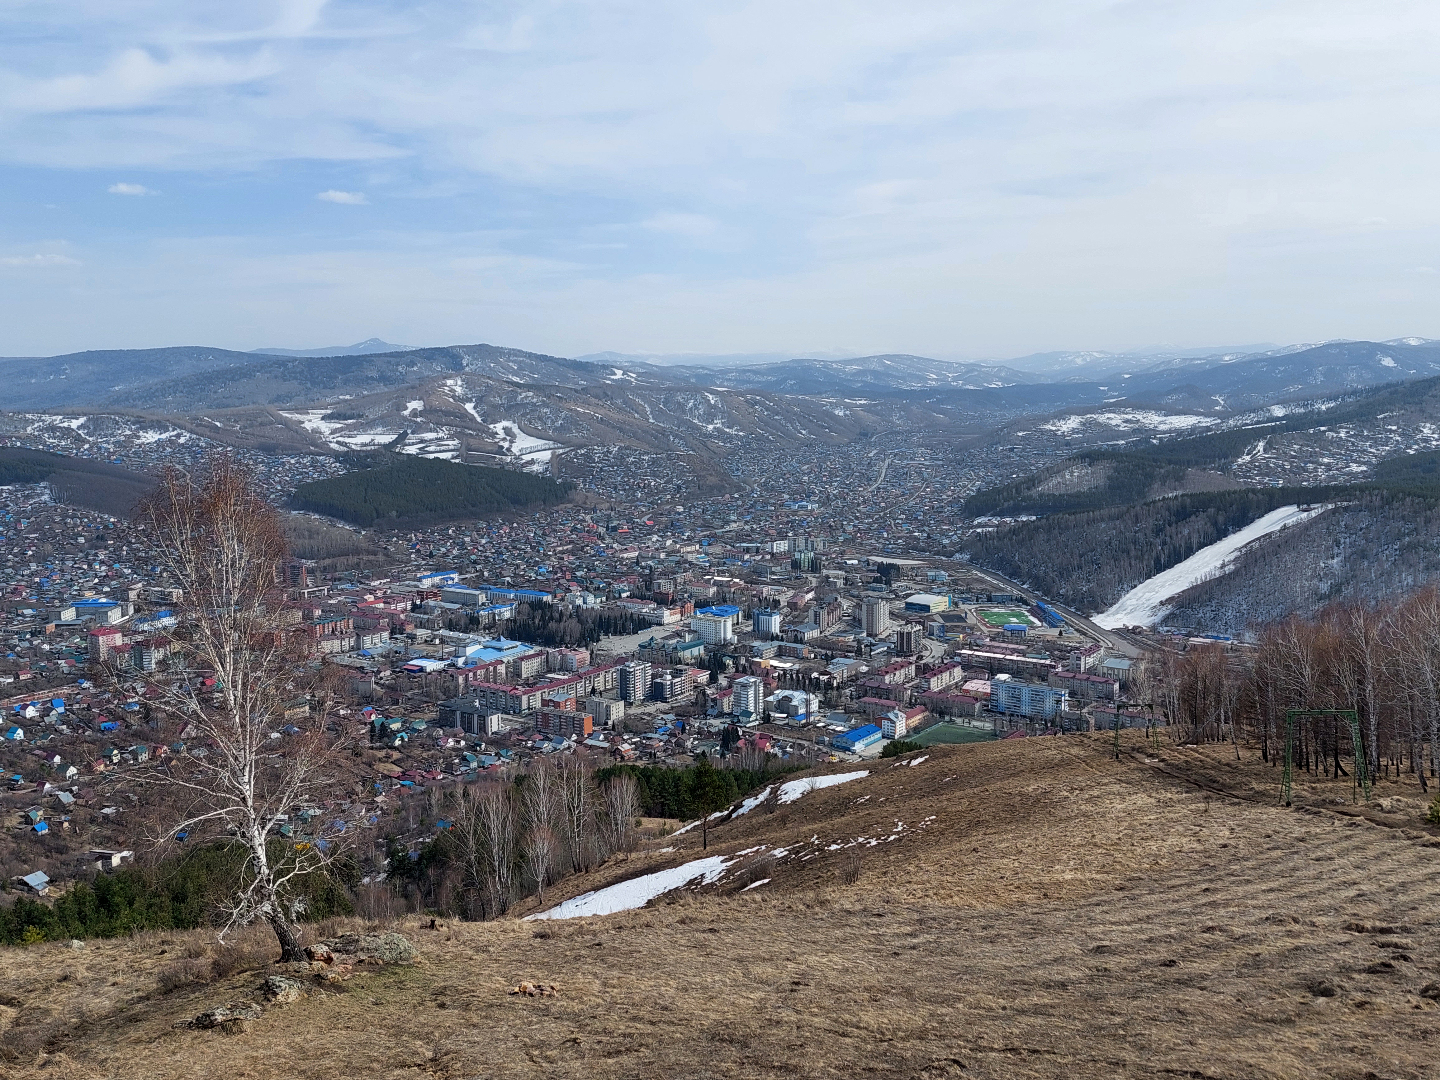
x=959, y=179
x=38, y=260
x=123, y=188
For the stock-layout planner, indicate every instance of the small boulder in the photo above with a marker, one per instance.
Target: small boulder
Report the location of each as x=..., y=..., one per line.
x=320, y=953
x=282, y=990
x=386, y=948
x=236, y=1010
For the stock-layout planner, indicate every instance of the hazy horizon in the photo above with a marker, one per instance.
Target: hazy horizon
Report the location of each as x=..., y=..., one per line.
x=926, y=178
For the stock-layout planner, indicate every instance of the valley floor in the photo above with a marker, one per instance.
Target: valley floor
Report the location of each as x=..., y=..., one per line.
x=1063, y=914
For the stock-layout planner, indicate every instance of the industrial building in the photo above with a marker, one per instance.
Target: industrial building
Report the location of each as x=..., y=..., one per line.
x=927, y=603
x=859, y=738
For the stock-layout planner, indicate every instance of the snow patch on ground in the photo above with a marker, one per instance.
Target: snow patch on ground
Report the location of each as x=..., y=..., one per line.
x=1148, y=602
x=413, y=407
x=637, y=892
x=516, y=442
x=312, y=421
x=753, y=801
x=792, y=790
x=687, y=828
x=1127, y=420
x=756, y=884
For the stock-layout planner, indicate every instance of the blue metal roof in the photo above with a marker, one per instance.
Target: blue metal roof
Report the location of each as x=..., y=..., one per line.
x=720, y=611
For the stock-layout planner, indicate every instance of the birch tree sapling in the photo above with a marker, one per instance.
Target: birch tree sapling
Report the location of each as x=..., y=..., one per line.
x=247, y=768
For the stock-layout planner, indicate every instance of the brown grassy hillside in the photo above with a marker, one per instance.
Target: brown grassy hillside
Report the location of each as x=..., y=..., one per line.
x=1060, y=914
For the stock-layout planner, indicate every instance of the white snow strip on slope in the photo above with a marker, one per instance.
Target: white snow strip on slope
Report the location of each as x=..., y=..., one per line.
x=753, y=801
x=1147, y=603
x=788, y=794
x=791, y=791
x=311, y=420
x=687, y=828
x=637, y=892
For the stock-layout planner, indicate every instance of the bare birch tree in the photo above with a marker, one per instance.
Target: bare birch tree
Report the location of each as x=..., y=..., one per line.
x=541, y=801
x=577, y=813
x=248, y=769
x=621, y=801
x=487, y=830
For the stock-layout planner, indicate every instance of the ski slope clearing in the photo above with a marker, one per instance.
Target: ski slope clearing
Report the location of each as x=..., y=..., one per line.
x=1149, y=602
x=517, y=443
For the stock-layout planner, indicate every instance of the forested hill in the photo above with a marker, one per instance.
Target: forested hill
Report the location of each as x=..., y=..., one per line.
x=1375, y=548
x=401, y=491
x=78, y=481
x=1145, y=469
x=1382, y=539
x=1088, y=560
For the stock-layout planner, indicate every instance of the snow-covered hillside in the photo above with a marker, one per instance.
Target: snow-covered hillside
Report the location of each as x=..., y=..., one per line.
x=1148, y=603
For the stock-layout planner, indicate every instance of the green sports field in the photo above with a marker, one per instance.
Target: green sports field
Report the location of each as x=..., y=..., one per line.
x=945, y=733
x=1000, y=618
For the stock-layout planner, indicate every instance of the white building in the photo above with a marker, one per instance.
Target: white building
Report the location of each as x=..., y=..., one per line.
x=714, y=629
x=894, y=725
x=795, y=704
x=749, y=695
x=767, y=623
x=635, y=679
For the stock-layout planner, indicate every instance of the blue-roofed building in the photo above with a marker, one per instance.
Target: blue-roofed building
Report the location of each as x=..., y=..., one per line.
x=716, y=625
x=857, y=739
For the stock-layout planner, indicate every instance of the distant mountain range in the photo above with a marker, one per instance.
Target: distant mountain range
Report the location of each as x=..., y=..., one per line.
x=360, y=348
x=657, y=404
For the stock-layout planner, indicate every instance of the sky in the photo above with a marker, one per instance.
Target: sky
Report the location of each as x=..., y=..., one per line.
x=955, y=179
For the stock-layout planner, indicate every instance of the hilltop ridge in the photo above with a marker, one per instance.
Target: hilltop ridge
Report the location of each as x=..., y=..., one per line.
x=1061, y=914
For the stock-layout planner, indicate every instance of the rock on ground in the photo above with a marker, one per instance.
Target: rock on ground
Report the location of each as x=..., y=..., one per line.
x=387, y=948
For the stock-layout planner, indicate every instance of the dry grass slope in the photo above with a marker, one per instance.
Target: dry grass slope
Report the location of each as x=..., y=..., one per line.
x=1062, y=914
